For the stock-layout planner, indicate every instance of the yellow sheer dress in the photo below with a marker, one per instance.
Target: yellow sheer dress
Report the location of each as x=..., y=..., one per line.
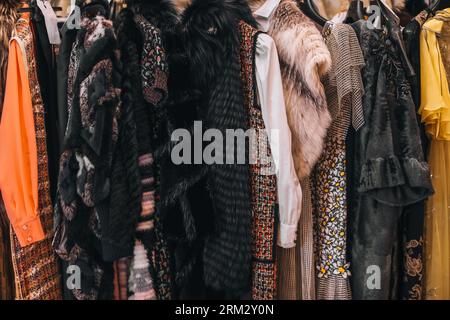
x=435, y=113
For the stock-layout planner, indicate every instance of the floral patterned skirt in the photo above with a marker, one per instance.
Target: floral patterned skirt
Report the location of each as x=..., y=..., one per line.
x=329, y=186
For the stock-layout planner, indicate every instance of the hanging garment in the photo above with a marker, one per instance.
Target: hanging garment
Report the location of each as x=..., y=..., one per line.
x=212, y=46
x=28, y=204
x=68, y=38
x=8, y=16
x=308, y=117
x=46, y=71
x=144, y=91
x=389, y=168
x=263, y=182
x=271, y=99
x=94, y=224
x=273, y=108
x=413, y=217
x=344, y=89
x=435, y=112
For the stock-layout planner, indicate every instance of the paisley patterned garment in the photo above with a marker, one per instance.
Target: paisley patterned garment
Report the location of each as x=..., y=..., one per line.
x=83, y=186
x=154, y=62
x=153, y=81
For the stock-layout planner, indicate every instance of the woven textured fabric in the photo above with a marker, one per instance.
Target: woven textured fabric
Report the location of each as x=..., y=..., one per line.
x=306, y=248
x=289, y=271
x=343, y=83
x=263, y=186
x=296, y=278
x=335, y=287
x=35, y=266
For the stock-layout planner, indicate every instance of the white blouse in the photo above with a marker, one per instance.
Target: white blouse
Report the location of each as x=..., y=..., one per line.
x=271, y=98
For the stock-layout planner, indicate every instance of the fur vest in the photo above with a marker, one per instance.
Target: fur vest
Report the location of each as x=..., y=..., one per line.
x=304, y=59
x=215, y=238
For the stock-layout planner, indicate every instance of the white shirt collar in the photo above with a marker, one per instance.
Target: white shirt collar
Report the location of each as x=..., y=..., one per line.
x=265, y=12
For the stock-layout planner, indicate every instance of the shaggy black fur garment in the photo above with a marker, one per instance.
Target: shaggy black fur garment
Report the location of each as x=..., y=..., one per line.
x=151, y=119
x=211, y=39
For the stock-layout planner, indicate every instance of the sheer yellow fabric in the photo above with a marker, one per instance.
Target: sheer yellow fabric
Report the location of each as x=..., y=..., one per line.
x=435, y=106
x=435, y=113
x=437, y=225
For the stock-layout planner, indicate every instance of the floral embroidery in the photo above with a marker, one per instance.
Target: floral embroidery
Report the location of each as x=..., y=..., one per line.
x=413, y=266
x=416, y=292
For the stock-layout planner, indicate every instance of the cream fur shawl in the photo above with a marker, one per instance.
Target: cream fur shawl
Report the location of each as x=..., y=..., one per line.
x=304, y=59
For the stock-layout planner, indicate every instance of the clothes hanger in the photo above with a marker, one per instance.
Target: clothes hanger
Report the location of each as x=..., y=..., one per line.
x=392, y=22
x=309, y=9
x=412, y=29
x=355, y=11
x=388, y=13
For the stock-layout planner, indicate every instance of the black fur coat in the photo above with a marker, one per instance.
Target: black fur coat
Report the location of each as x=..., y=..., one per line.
x=208, y=207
